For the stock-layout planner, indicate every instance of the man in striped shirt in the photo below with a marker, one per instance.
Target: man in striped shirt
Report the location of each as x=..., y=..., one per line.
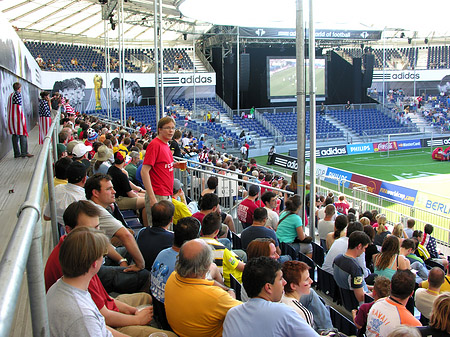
x=17, y=124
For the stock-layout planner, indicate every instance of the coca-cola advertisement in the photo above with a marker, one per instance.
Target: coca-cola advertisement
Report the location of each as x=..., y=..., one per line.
x=385, y=146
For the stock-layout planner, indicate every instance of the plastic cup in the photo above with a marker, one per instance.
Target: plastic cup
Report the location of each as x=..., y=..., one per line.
x=182, y=165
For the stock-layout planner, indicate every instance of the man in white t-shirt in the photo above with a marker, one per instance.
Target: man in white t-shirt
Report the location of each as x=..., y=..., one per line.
x=326, y=225
x=424, y=298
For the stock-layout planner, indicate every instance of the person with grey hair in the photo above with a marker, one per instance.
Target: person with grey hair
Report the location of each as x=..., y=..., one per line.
x=187, y=285
x=132, y=166
x=405, y=331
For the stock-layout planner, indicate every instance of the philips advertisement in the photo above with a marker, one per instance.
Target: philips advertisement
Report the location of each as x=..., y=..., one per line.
x=359, y=148
x=398, y=193
x=340, y=177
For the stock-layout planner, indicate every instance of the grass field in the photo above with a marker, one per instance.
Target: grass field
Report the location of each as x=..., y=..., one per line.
x=282, y=83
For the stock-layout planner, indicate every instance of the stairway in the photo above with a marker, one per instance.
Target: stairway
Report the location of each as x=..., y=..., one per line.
x=348, y=133
x=422, y=124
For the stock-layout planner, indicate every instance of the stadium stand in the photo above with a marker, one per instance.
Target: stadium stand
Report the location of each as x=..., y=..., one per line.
x=87, y=55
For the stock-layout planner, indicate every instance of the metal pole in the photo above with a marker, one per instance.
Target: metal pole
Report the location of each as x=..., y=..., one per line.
x=52, y=201
x=119, y=28
x=238, y=63
x=312, y=121
x=384, y=69
x=301, y=108
x=122, y=37
x=161, y=50
x=156, y=58
x=105, y=29
x=193, y=82
x=36, y=287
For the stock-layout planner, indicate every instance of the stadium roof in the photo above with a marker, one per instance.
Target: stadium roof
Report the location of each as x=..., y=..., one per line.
x=80, y=21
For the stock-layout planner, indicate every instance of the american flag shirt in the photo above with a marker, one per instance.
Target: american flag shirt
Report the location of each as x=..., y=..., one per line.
x=45, y=119
x=17, y=124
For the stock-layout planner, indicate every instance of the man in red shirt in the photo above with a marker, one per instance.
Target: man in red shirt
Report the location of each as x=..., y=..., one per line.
x=120, y=313
x=248, y=206
x=157, y=169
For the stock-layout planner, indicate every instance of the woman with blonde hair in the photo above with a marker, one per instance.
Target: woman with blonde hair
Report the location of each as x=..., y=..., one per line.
x=399, y=232
x=382, y=232
x=439, y=321
x=389, y=260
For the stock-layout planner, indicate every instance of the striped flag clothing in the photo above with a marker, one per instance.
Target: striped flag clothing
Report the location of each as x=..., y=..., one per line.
x=69, y=109
x=45, y=119
x=17, y=124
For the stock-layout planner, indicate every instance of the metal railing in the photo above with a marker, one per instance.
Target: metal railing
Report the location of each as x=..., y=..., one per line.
x=24, y=247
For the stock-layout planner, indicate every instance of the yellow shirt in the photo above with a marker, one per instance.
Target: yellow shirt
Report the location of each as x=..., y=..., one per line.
x=445, y=286
x=195, y=307
x=181, y=210
x=56, y=182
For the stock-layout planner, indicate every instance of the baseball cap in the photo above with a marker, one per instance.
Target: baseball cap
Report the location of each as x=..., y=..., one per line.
x=61, y=148
x=177, y=185
x=253, y=190
x=71, y=145
x=80, y=150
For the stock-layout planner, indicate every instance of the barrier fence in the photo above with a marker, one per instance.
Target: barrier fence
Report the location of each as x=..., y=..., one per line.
x=24, y=248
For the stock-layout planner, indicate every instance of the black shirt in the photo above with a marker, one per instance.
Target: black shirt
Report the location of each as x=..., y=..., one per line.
x=152, y=240
x=120, y=181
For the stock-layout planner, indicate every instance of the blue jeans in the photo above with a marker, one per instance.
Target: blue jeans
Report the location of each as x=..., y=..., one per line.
x=321, y=314
x=16, y=139
x=422, y=271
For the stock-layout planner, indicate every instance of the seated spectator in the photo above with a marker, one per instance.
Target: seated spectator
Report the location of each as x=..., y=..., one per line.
x=131, y=168
x=258, y=229
x=381, y=289
x=347, y=272
x=152, y=240
x=399, y=232
x=121, y=312
x=102, y=158
x=321, y=211
x=326, y=225
x=290, y=227
x=72, y=312
x=227, y=261
x=439, y=323
x=187, y=229
x=60, y=174
x=340, y=247
x=410, y=228
x=407, y=249
x=390, y=312
x=405, y=331
x=269, y=199
x=340, y=224
x=429, y=243
x=342, y=205
x=371, y=249
x=311, y=301
x=263, y=281
x=179, y=201
x=423, y=252
x=424, y=298
x=247, y=206
x=298, y=283
x=188, y=285
x=210, y=203
x=389, y=260
x=382, y=232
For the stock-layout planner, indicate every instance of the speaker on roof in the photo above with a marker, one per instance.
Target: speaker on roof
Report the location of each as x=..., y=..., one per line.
x=244, y=71
x=368, y=61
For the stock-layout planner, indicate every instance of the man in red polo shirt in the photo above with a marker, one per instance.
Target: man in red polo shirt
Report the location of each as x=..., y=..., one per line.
x=157, y=169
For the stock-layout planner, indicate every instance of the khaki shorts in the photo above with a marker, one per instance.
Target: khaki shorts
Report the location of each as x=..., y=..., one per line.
x=126, y=203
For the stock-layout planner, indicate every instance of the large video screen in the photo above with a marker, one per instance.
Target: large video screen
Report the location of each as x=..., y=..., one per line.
x=282, y=81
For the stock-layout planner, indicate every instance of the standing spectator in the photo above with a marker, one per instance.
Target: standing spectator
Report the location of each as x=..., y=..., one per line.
x=390, y=312
x=157, y=170
x=17, y=123
x=342, y=205
x=45, y=117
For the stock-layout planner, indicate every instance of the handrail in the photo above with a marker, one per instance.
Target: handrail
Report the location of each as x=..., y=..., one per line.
x=24, y=248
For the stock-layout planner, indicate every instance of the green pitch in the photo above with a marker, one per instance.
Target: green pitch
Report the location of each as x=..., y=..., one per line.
x=406, y=164
x=283, y=83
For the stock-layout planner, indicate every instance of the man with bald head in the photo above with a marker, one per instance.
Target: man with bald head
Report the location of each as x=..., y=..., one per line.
x=424, y=298
x=188, y=285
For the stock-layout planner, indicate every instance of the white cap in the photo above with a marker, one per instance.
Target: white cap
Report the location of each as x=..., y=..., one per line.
x=80, y=150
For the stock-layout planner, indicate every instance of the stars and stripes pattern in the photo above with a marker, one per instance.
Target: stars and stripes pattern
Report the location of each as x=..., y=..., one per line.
x=45, y=119
x=17, y=124
x=69, y=109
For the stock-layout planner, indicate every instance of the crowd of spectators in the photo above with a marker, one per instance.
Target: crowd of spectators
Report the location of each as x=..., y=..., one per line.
x=180, y=266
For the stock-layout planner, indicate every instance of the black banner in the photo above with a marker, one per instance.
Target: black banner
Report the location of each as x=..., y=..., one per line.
x=321, y=34
x=439, y=141
x=284, y=161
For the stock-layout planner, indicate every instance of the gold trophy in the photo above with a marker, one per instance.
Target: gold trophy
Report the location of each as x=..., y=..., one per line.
x=98, y=82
